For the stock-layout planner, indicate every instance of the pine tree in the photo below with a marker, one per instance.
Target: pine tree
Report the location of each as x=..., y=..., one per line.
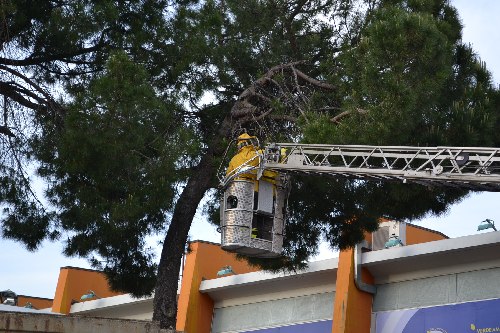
x=129, y=145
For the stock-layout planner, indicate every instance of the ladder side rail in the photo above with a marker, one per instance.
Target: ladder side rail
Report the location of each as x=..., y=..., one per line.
x=353, y=149
x=470, y=180
x=430, y=156
x=323, y=147
x=420, y=154
x=424, y=181
x=389, y=161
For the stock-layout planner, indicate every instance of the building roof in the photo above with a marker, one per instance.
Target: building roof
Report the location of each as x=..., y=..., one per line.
x=12, y=308
x=319, y=273
x=435, y=258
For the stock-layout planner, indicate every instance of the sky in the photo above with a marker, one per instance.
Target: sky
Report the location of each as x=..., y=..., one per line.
x=36, y=273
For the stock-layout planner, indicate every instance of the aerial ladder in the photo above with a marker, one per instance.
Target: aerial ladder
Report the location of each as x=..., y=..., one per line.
x=253, y=208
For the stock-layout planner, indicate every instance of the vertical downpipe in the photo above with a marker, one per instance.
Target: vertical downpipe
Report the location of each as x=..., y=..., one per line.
x=357, y=270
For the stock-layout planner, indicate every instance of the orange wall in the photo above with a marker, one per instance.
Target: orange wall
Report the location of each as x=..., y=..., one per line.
x=352, y=307
x=75, y=282
x=194, y=311
x=36, y=302
x=417, y=235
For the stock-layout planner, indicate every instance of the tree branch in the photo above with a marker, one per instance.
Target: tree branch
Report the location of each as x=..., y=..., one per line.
x=34, y=60
x=48, y=99
x=283, y=117
x=263, y=115
x=6, y=131
x=314, y=82
x=295, y=74
x=9, y=91
x=256, y=102
x=344, y=114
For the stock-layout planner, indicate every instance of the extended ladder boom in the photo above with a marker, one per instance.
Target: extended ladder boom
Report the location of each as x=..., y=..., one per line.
x=463, y=167
x=253, y=208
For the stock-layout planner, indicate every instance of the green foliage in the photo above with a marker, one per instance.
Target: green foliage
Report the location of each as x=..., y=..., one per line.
x=22, y=219
x=113, y=172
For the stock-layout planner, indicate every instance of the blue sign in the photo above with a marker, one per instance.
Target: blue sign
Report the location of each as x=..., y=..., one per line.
x=473, y=317
x=316, y=327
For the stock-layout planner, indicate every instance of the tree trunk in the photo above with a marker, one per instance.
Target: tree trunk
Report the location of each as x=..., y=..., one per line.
x=165, y=299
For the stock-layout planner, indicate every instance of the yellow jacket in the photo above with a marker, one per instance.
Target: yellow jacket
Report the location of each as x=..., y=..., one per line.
x=249, y=155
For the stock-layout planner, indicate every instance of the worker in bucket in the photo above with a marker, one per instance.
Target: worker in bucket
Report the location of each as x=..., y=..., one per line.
x=248, y=156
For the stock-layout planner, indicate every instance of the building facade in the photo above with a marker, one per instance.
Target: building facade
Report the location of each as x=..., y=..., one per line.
x=426, y=283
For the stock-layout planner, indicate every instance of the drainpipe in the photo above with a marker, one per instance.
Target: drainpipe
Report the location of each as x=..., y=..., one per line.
x=357, y=270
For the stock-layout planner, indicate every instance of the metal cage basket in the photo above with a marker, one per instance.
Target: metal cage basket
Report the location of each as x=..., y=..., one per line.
x=253, y=217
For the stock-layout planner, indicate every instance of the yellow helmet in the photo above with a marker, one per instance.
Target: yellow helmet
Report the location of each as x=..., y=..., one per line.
x=245, y=136
x=245, y=140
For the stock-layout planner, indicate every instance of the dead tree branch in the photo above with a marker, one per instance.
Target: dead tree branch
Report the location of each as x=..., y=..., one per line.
x=17, y=94
x=344, y=114
x=283, y=89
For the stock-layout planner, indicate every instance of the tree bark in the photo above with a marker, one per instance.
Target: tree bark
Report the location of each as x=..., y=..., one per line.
x=165, y=299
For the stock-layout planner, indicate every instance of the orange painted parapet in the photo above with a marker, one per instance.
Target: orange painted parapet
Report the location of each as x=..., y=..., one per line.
x=74, y=282
x=416, y=235
x=352, y=308
x=194, y=309
x=36, y=302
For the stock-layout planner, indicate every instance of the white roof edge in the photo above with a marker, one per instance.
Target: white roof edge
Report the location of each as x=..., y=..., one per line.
x=263, y=277
x=107, y=302
x=434, y=247
x=12, y=308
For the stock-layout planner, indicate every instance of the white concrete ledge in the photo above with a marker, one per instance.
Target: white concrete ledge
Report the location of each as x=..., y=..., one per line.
x=108, y=302
x=435, y=247
x=261, y=277
x=11, y=308
x=319, y=276
x=467, y=253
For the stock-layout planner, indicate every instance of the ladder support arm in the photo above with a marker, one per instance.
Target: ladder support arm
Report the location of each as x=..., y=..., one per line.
x=474, y=168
